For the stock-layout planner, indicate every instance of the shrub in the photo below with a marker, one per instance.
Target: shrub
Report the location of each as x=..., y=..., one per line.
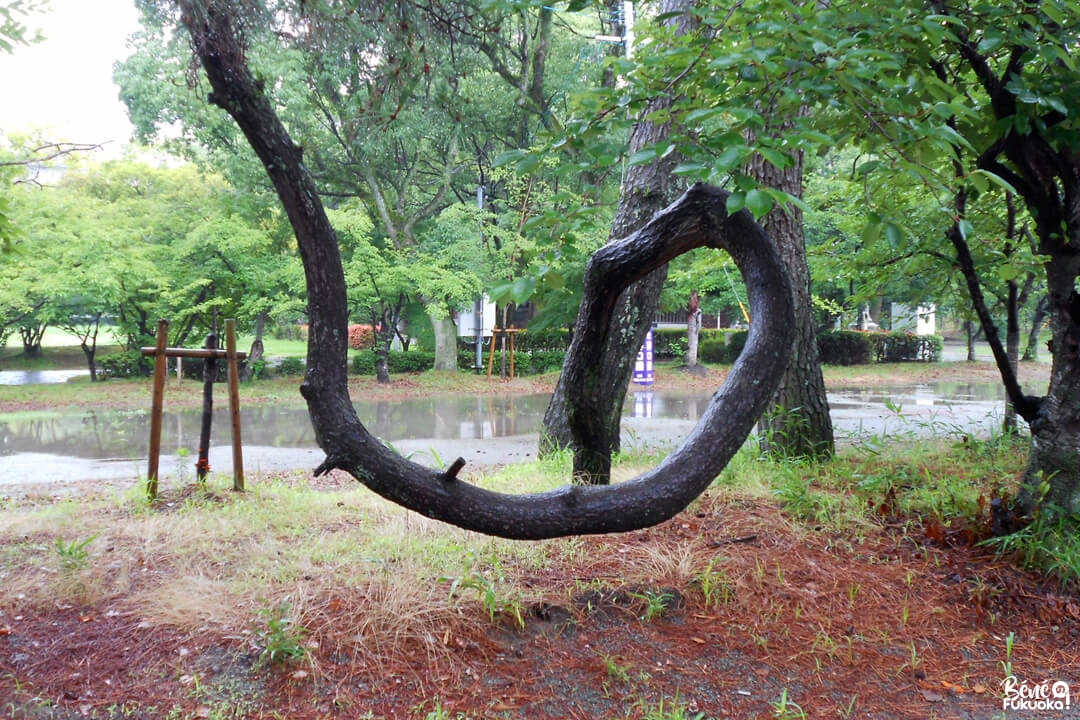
x=845, y=347
x=669, y=343
x=291, y=367
x=291, y=331
x=548, y=339
x=894, y=347
x=712, y=348
x=735, y=344
x=125, y=365
x=361, y=337
x=545, y=361
x=363, y=362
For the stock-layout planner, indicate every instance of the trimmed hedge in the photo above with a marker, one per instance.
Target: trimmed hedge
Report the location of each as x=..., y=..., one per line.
x=363, y=362
x=548, y=340
x=125, y=365
x=525, y=363
x=736, y=343
x=904, y=347
x=854, y=347
x=845, y=347
x=712, y=348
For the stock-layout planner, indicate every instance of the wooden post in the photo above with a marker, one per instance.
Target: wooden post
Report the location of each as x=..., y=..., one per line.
x=491, y=352
x=234, y=405
x=202, y=465
x=160, y=373
x=511, y=331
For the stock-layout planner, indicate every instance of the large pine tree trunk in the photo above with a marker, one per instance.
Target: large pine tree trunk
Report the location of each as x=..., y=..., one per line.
x=798, y=423
x=646, y=190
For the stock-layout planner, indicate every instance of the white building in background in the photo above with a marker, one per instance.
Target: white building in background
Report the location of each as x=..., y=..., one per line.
x=921, y=320
x=478, y=320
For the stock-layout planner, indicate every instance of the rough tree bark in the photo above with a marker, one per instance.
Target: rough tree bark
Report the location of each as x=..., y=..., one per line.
x=798, y=424
x=698, y=219
x=693, y=331
x=445, y=341
x=1042, y=308
x=598, y=412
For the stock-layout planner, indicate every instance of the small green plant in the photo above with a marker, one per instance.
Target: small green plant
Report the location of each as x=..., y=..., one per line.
x=784, y=708
x=656, y=603
x=853, y=592
x=1006, y=664
x=668, y=709
x=73, y=555
x=489, y=596
x=616, y=669
x=282, y=639
x=715, y=585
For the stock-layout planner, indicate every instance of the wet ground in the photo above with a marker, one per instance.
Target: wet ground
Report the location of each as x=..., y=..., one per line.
x=58, y=452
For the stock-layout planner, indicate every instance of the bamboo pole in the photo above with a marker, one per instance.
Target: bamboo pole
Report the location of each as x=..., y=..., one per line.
x=234, y=405
x=160, y=373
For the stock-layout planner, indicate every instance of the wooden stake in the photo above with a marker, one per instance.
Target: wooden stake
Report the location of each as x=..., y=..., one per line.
x=234, y=405
x=202, y=465
x=160, y=373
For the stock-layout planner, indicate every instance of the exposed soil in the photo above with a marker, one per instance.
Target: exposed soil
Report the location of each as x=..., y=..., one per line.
x=895, y=621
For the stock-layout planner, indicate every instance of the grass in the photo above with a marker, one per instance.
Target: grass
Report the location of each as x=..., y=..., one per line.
x=279, y=533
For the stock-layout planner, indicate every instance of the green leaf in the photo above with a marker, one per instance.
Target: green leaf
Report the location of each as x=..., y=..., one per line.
x=966, y=228
x=995, y=179
x=522, y=289
x=730, y=158
x=736, y=202
x=894, y=234
x=643, y=157
x=1009, y=272
x=759, y=203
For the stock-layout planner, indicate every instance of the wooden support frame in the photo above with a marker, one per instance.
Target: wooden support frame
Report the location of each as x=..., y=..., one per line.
x=161, y=352
x=495, y=332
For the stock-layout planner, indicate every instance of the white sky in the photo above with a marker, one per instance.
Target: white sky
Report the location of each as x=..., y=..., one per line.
x=64, y=83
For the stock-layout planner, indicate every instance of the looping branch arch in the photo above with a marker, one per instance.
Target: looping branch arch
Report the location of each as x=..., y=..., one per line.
x=698, y=219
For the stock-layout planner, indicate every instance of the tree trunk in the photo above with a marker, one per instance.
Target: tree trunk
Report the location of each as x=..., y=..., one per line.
x=798, y=424
x=255, y=354
x=693, y=331
x=445, y=341
x=1052, y=477
x=969, y=326
x=1011, y=423
x=383, y=337
x=646, y=190
x=1042, y=308
x=31, y=339
x=698, y=219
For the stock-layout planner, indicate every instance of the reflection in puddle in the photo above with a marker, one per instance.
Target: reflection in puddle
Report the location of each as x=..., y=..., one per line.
x=439, y=426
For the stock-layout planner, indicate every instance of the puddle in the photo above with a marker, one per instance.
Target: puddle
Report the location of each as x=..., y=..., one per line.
x=39, y=377
x=486, y=429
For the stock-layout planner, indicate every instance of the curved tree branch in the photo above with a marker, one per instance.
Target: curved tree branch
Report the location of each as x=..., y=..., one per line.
x=698, y=219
